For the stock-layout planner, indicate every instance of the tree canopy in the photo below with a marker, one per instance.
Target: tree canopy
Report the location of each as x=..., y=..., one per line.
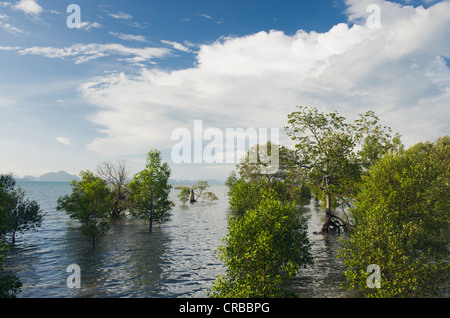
x=150, y=189
x=263, y=251
x=116, y=175
x=17, y=212
x=402, y=223
x=197, y=191
x=10, y=285
x=332, y=153
x=247, y=183
x=90, y=203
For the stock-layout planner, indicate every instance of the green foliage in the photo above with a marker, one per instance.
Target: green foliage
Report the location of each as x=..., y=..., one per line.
x=210, y=196
x=263, y=251
x=326, y=146
x=184, y=194
x=440, y=154
x=246, y=184
x=375, y=146
x=17, y=213
x=199, y=192
x=90, y=203
x=243, y=195
x=200, y=186
x=7, y=185
x=26, y=215
x=268, y=160
x=9, y=284
x=327, y=152
x=402, y=224
x=150, y=191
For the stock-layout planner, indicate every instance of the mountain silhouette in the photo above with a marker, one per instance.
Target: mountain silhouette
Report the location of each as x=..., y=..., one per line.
x=60, y=176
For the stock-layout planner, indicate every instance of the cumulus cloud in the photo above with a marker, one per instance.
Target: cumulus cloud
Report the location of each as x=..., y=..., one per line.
x=398, y=70
x=29, y=7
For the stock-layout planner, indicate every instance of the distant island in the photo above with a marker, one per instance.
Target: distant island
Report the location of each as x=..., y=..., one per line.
x=60, y=176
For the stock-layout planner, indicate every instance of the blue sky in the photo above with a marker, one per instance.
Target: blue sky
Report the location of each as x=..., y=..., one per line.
x=137, y=70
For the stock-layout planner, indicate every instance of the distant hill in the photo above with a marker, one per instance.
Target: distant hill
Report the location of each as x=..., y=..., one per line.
x=60, y=176
x=29, y=178
x=26, y=178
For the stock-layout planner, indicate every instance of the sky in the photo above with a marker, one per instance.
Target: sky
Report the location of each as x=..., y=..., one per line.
x=134, y=72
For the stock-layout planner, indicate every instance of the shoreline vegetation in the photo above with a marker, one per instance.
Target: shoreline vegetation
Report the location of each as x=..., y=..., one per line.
x=394, y=204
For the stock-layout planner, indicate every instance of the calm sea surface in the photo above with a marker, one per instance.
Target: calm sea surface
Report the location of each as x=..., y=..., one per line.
x=176, y=260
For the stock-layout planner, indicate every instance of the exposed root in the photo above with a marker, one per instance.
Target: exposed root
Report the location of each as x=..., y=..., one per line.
x=334, y=225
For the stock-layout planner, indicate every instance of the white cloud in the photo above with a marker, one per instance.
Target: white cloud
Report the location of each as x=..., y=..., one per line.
x=29, y=7
x=177, y=46
x=128, y=37
x=206, y=16
x=398, y=70
x=10, y=28
x=120, y=15
x=88, y=25
x=63, y=140
x=9, y=48
x=81, y=53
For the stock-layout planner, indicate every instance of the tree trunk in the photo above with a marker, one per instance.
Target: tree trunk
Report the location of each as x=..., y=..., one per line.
x=328, y=207
x=192, y=196
x=331, y=225
x=150, y=226
x=115, y=214
x=326, y=225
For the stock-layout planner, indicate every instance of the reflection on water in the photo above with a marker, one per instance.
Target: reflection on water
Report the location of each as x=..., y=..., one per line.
x=176, y=260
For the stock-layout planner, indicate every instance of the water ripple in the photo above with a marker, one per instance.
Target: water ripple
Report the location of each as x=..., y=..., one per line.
x=176, y=260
